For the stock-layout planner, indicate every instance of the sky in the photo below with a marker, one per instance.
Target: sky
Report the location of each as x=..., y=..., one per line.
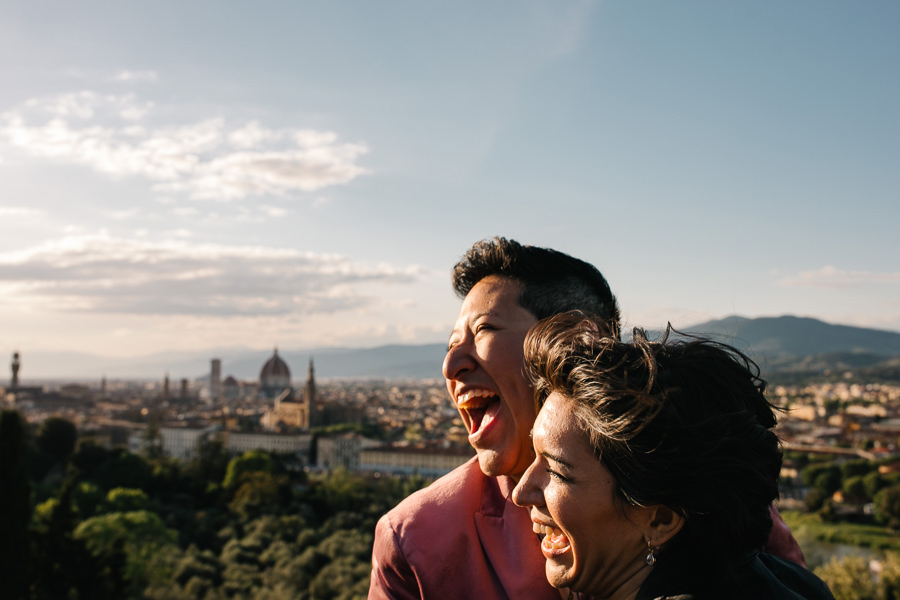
x=192, y=176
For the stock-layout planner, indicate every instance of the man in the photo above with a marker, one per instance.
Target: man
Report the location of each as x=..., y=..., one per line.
x=462, y=537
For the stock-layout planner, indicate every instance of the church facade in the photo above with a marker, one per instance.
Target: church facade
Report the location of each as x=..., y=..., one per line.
x=291, y=409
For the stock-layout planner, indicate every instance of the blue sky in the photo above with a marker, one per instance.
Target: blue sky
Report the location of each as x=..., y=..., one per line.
x=191, y=176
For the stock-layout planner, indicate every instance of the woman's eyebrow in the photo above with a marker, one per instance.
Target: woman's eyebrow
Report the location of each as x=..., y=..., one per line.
x=555, y=458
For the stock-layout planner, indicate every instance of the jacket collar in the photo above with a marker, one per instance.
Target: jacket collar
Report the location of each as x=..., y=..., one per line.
x=509, y=544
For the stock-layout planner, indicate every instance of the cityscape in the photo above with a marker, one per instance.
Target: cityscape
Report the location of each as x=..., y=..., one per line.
x=228, y=233
x=396, y=427
x=257, y=454
x=419, y=431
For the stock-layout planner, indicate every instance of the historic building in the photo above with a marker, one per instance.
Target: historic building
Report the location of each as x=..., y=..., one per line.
x=292, y=410
x=274, y=378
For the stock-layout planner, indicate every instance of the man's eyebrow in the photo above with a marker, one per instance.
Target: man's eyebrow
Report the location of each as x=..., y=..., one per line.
x=473, y=318
x=556, y=458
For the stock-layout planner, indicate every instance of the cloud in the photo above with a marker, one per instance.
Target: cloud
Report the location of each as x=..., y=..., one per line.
x=273, y=211
x=19, y=211
x=206, y=159
x=832, y=277
x=127, y=76
x=101, y=274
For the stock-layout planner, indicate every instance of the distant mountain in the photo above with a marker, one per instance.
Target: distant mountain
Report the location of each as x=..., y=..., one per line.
x=790, y=344
x=780, y=345
x=385, y=362
x=802, y=336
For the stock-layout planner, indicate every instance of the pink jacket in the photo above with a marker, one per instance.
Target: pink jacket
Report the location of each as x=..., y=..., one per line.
x=461, y=537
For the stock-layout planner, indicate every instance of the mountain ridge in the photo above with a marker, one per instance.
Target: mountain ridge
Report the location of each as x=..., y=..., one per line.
x=784, y=343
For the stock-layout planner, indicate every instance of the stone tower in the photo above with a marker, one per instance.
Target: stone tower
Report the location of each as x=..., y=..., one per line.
x=215, y=381
x=311, y=384
x=15, y=370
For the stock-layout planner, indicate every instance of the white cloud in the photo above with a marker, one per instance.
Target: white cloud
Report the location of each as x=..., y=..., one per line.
x=19, y=211
x=242, y=174
x=252, y=135
x=100, y=274
x=185, y=211
x=832, y=277
x=273, y=211
x=197, y=159
x=127, y=76
x=121, y=215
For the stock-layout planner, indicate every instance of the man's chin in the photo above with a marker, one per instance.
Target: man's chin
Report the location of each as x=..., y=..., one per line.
x=492, y=464
x=487, y=460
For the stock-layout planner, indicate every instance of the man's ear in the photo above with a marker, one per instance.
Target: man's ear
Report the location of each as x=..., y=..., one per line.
x=661, y=524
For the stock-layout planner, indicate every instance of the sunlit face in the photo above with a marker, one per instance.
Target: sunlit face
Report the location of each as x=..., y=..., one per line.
x=592, y=543
x=485, y=375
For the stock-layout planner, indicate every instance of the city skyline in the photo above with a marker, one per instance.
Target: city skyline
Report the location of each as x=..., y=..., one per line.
x=186, y=178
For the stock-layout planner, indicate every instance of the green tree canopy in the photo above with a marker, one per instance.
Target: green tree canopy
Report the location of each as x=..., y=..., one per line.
x=248, y=462
x=887, y=506
x=125, y=500
x=849, y=579
x=56, y=438
x=15, y=507
x=150, y=548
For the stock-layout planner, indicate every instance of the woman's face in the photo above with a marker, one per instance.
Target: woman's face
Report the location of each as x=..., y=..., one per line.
x=591, y=542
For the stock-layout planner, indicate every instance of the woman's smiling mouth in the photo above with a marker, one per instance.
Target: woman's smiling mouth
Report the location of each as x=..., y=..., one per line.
x=554, y=541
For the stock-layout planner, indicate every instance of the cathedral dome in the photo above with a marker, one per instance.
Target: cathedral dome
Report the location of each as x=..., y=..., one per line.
x=275, y=374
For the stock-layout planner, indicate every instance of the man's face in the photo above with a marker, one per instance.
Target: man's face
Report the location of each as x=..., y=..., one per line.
x=485, y=375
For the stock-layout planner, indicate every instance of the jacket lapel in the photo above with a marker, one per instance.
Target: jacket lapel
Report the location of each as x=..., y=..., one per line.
x=509, y=544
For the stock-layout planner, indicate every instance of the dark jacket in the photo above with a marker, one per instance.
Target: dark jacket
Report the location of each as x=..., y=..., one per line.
x=759, y=577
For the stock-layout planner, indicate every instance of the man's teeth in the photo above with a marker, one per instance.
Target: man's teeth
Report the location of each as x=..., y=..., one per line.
x=469, y=396
x=553, y=537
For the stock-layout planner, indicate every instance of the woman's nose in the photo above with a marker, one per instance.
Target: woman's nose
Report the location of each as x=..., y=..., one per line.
x=527, y=492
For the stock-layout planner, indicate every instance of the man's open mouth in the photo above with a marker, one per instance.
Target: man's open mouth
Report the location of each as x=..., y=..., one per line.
x=476, y=405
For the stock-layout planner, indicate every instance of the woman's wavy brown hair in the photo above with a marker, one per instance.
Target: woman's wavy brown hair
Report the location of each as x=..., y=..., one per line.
x=681, y=423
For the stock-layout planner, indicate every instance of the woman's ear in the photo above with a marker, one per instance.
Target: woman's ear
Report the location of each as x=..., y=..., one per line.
x=661, y=525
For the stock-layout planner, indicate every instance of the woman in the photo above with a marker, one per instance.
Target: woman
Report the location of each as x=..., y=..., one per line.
x=655, y=469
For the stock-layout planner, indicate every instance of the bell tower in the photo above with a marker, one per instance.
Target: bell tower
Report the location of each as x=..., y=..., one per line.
x=16, y=364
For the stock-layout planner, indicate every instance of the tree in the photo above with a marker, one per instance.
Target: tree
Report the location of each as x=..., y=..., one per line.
x=124, y=469
x=149, y=548
x=854, y=489
x=210, y=463
x=259, y=492
x=125, y=500
x=86, y=497
x=339, y=491
x=152, y=439
x=825, y=476
x=815, y=499
x=873, y=482
x=849, y=579
x=15, y=509
x=829, y=480
x=855, y=468
x=56, y=438
x=887, y=506
x=63, y=567
x=251, y=461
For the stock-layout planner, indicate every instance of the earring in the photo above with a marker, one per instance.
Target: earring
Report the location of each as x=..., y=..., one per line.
x=651, y=555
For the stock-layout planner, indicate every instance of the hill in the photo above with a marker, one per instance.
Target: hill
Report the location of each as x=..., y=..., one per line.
x=789, y=347
x=783, y=346
x=384, y=362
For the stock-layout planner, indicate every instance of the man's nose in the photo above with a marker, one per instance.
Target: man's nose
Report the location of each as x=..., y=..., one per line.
x=458, y=360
